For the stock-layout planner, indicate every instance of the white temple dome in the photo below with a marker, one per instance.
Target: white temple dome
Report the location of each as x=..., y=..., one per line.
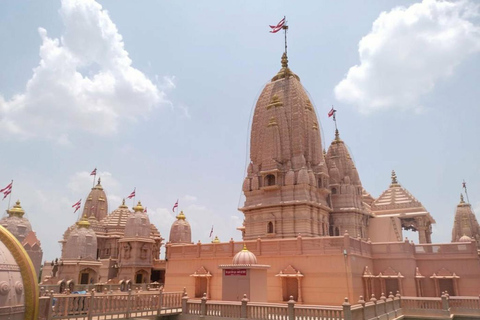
x=244, y=257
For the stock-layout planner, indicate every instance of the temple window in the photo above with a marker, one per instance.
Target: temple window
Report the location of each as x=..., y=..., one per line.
x=269, y=180
x=334, y=190
x=270, y=227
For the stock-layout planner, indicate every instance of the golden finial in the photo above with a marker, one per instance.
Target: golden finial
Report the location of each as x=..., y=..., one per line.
x=17, y=210
x=394, y=178
x=461, y=198
x=337, y=135
x=284, y=60
x=83, y=222
x=284, y=72
x=138, y=207
x=181, y=216
x=216, y=240
x=244, y=247
x=99, y=186
x=123, y=205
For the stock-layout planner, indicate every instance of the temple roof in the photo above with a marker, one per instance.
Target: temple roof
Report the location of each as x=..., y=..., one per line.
x=396, y=200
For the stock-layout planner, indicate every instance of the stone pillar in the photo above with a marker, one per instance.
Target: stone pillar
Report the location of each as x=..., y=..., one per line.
x=91, y=305
x=300, y=298
x=184, y=302
x=243, y=309
x=347, y=310
x=291, y=308
x=203, y=306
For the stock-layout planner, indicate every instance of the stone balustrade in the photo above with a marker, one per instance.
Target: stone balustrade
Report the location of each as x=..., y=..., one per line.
x=139, y=303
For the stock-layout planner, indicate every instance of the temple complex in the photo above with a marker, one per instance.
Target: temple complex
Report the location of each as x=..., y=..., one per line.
x=313, y=232
x=310, y=231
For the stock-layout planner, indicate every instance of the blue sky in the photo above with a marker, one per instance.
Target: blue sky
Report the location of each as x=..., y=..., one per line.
x=158, y=95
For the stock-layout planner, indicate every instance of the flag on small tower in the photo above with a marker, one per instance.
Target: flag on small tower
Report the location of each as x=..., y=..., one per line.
x=77, y=205
x=331, y=112
x=7, y=188
x=175, y=206
x=94, y=172
x=211, y=232
x=132, y=195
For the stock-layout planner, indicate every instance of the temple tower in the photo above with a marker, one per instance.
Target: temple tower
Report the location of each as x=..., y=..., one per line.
x=349, y=213
x=136, y=248
x=465, y=223
x=96, y=204
x=286, y=187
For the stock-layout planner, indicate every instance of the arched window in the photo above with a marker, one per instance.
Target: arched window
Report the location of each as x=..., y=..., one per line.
x=269, y=180
x=334, y=190
x=270, y=227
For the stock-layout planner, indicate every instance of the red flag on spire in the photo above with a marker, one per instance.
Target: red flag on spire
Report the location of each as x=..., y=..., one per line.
x=6, y=193
x=145, y=210
x=331, y=112
x=175, y=206
x=77, y=205
x=132, y=195
x=7, y=188
x=211, y=232
x=94, y=172
x=278, y=26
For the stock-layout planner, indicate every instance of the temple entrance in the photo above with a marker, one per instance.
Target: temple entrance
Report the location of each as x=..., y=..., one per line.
x=141, y=276
x=290, y=288
x=446, y=285
x=200, y=286
x=87, y=276
x=155, y=276
x=391, y=285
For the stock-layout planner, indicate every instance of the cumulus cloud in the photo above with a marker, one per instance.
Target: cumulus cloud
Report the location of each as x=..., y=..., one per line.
x=407, y=52
x=84, y=81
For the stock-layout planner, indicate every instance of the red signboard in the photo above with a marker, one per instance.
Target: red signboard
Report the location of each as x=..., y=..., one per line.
x=235, y=272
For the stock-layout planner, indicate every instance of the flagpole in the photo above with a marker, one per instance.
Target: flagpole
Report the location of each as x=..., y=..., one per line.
x=10, y=196
x=334, y=118
x=285, y=28
x=94, y=177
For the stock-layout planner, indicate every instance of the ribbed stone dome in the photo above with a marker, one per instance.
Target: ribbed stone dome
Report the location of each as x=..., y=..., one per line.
x=81, y=242
x=138, y=224
x=244, y=257
x=465, y=238
x=16, y=223
x=181, y=232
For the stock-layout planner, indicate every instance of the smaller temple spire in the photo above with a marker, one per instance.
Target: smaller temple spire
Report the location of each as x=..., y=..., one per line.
x=99, y=185
x=17, y=210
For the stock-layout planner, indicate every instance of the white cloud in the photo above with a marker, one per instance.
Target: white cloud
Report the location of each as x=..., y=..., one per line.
x=189, y=198
x=407, y=52
x=84, y=81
